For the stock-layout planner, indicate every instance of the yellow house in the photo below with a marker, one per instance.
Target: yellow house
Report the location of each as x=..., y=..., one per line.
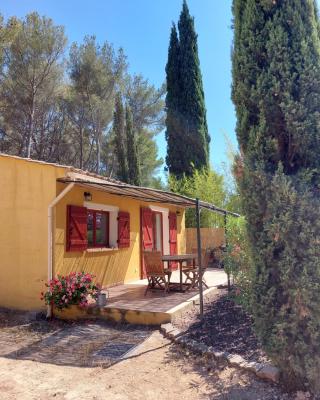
x=56, y=219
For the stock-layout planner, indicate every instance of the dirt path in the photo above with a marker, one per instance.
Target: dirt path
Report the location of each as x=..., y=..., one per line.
x=155, y=370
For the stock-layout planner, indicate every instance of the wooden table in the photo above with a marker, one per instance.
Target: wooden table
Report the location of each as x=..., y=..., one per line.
x=180, y=259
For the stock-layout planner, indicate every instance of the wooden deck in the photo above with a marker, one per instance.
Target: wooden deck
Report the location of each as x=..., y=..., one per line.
x=131, y=296
x=127, y=303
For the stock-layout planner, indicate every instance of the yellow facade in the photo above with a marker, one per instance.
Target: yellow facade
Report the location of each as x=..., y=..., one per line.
x=27, y=190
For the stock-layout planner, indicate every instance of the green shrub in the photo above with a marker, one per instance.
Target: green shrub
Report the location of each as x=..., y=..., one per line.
x=237, y=260
x=208, y=186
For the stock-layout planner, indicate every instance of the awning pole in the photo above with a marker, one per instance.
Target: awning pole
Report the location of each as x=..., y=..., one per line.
x=226, y=245
x=225, y=230
x=199, y=257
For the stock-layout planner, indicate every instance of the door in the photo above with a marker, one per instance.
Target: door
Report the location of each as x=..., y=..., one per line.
x=173, y=237
x=151, y=233
x=146, y=235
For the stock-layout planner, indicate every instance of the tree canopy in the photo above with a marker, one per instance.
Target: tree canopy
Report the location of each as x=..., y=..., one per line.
x=59, y=108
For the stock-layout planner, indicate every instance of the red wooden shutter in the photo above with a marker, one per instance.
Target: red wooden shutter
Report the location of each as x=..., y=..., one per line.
x=147, y=229
x=173, y=243
x=146, y=235
x=123, y=229
x=76, y=235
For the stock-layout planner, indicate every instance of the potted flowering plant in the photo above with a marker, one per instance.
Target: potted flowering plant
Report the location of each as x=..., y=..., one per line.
x=72, y=289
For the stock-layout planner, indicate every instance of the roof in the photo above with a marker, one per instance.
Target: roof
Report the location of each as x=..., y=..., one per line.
x=139, y=193
x=113, y=186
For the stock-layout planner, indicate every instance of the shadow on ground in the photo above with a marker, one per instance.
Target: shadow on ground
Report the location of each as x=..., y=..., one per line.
x=224, y=382
x=87, y=343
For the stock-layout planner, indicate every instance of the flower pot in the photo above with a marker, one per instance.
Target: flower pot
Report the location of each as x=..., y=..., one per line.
x=102, y=299
x=73, y=312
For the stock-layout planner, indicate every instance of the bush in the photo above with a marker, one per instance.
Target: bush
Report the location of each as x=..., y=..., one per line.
x=237, y=260
x=72, y=289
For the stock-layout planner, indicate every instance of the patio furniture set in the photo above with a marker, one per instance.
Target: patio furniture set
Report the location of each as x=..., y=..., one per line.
x=159, y=270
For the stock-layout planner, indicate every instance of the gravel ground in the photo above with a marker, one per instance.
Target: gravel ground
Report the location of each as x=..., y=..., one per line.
x=67, y=343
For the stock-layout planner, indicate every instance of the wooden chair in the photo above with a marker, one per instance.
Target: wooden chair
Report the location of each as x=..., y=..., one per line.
x=192, y=271
x=157, y=275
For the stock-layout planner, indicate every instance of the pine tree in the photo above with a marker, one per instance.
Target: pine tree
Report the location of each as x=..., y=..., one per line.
x=95, y=73
x=132, y=151
x=186, y=125
x=147, y=106
x=30, y=80
x=119, y=137
x=276, y=91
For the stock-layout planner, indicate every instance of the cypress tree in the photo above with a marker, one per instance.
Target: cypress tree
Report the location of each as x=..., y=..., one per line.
x=119, y=137
x=174, y=138
x=276, y=91
x=187, y=132
x=132, y=151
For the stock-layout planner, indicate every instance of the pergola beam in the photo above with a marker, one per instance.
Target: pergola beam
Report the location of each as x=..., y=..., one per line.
x=147, y=194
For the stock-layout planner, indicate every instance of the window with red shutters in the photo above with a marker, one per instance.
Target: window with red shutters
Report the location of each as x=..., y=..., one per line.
x=76, y=234
x=123, y=229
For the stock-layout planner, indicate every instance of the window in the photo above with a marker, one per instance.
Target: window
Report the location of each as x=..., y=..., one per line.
x=98, y=228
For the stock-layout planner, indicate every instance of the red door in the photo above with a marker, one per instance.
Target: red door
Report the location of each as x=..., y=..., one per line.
x=146, y=235
x=173, y=236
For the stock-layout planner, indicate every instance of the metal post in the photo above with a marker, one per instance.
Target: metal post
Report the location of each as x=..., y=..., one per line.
x=225, y=229
x=199, y=256
x=226, y=244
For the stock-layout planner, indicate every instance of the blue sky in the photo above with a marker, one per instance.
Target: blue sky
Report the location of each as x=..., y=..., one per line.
x=142, y=28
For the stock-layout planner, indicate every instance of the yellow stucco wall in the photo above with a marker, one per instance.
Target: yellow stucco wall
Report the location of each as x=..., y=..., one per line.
x=109, y=267
x=27, y=188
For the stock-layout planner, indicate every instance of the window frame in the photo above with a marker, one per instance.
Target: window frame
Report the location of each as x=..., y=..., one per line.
x=107, y=229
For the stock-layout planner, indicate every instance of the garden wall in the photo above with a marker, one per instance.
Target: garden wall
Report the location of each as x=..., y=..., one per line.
x=210, y=237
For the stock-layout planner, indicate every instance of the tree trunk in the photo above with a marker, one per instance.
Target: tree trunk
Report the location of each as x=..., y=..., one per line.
x=81, y=148
x=98, y=155
x=30, y=134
